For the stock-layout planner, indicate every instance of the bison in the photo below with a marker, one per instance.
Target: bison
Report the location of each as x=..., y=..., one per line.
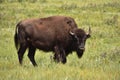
x=59, y=34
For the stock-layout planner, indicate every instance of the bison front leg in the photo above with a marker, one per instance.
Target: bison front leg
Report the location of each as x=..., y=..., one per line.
x=63, y=55
x=59, y=55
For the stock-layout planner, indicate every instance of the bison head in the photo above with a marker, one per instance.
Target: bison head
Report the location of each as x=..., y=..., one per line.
x=80, y=36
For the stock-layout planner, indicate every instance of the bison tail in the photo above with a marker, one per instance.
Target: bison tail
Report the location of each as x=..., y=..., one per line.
x=16, y=41
x=16, y=37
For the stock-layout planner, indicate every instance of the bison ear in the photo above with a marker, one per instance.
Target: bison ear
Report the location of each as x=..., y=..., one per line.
x=88, y=35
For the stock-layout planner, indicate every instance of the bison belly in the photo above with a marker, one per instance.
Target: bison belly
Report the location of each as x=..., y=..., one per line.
x=43, y=45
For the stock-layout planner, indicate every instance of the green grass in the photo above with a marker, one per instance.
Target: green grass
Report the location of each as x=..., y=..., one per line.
x=101, y=60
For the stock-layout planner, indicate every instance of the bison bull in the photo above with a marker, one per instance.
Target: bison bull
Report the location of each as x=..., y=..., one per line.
x=56, y=33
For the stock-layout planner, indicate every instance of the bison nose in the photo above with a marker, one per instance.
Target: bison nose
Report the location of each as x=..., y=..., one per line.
x=81, y=47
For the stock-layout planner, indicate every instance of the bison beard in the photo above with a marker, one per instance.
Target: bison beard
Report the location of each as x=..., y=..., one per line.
x=56, y=33
x=80, y=53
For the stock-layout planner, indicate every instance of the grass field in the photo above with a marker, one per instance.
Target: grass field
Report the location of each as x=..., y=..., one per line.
x=101, y=60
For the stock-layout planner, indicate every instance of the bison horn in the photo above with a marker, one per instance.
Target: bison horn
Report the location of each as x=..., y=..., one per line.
x=89, y=32
x=72, y=33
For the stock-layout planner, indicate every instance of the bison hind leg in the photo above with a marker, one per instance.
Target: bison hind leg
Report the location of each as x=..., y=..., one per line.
x=21, y=52
x=31, y=55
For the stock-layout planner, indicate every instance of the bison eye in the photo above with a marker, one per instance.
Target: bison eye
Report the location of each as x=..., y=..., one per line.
x=74, y=37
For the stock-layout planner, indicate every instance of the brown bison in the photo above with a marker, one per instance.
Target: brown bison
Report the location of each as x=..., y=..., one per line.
x=56, y=33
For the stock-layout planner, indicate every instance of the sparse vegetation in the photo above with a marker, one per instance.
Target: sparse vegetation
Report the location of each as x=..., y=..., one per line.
x=101, y=60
